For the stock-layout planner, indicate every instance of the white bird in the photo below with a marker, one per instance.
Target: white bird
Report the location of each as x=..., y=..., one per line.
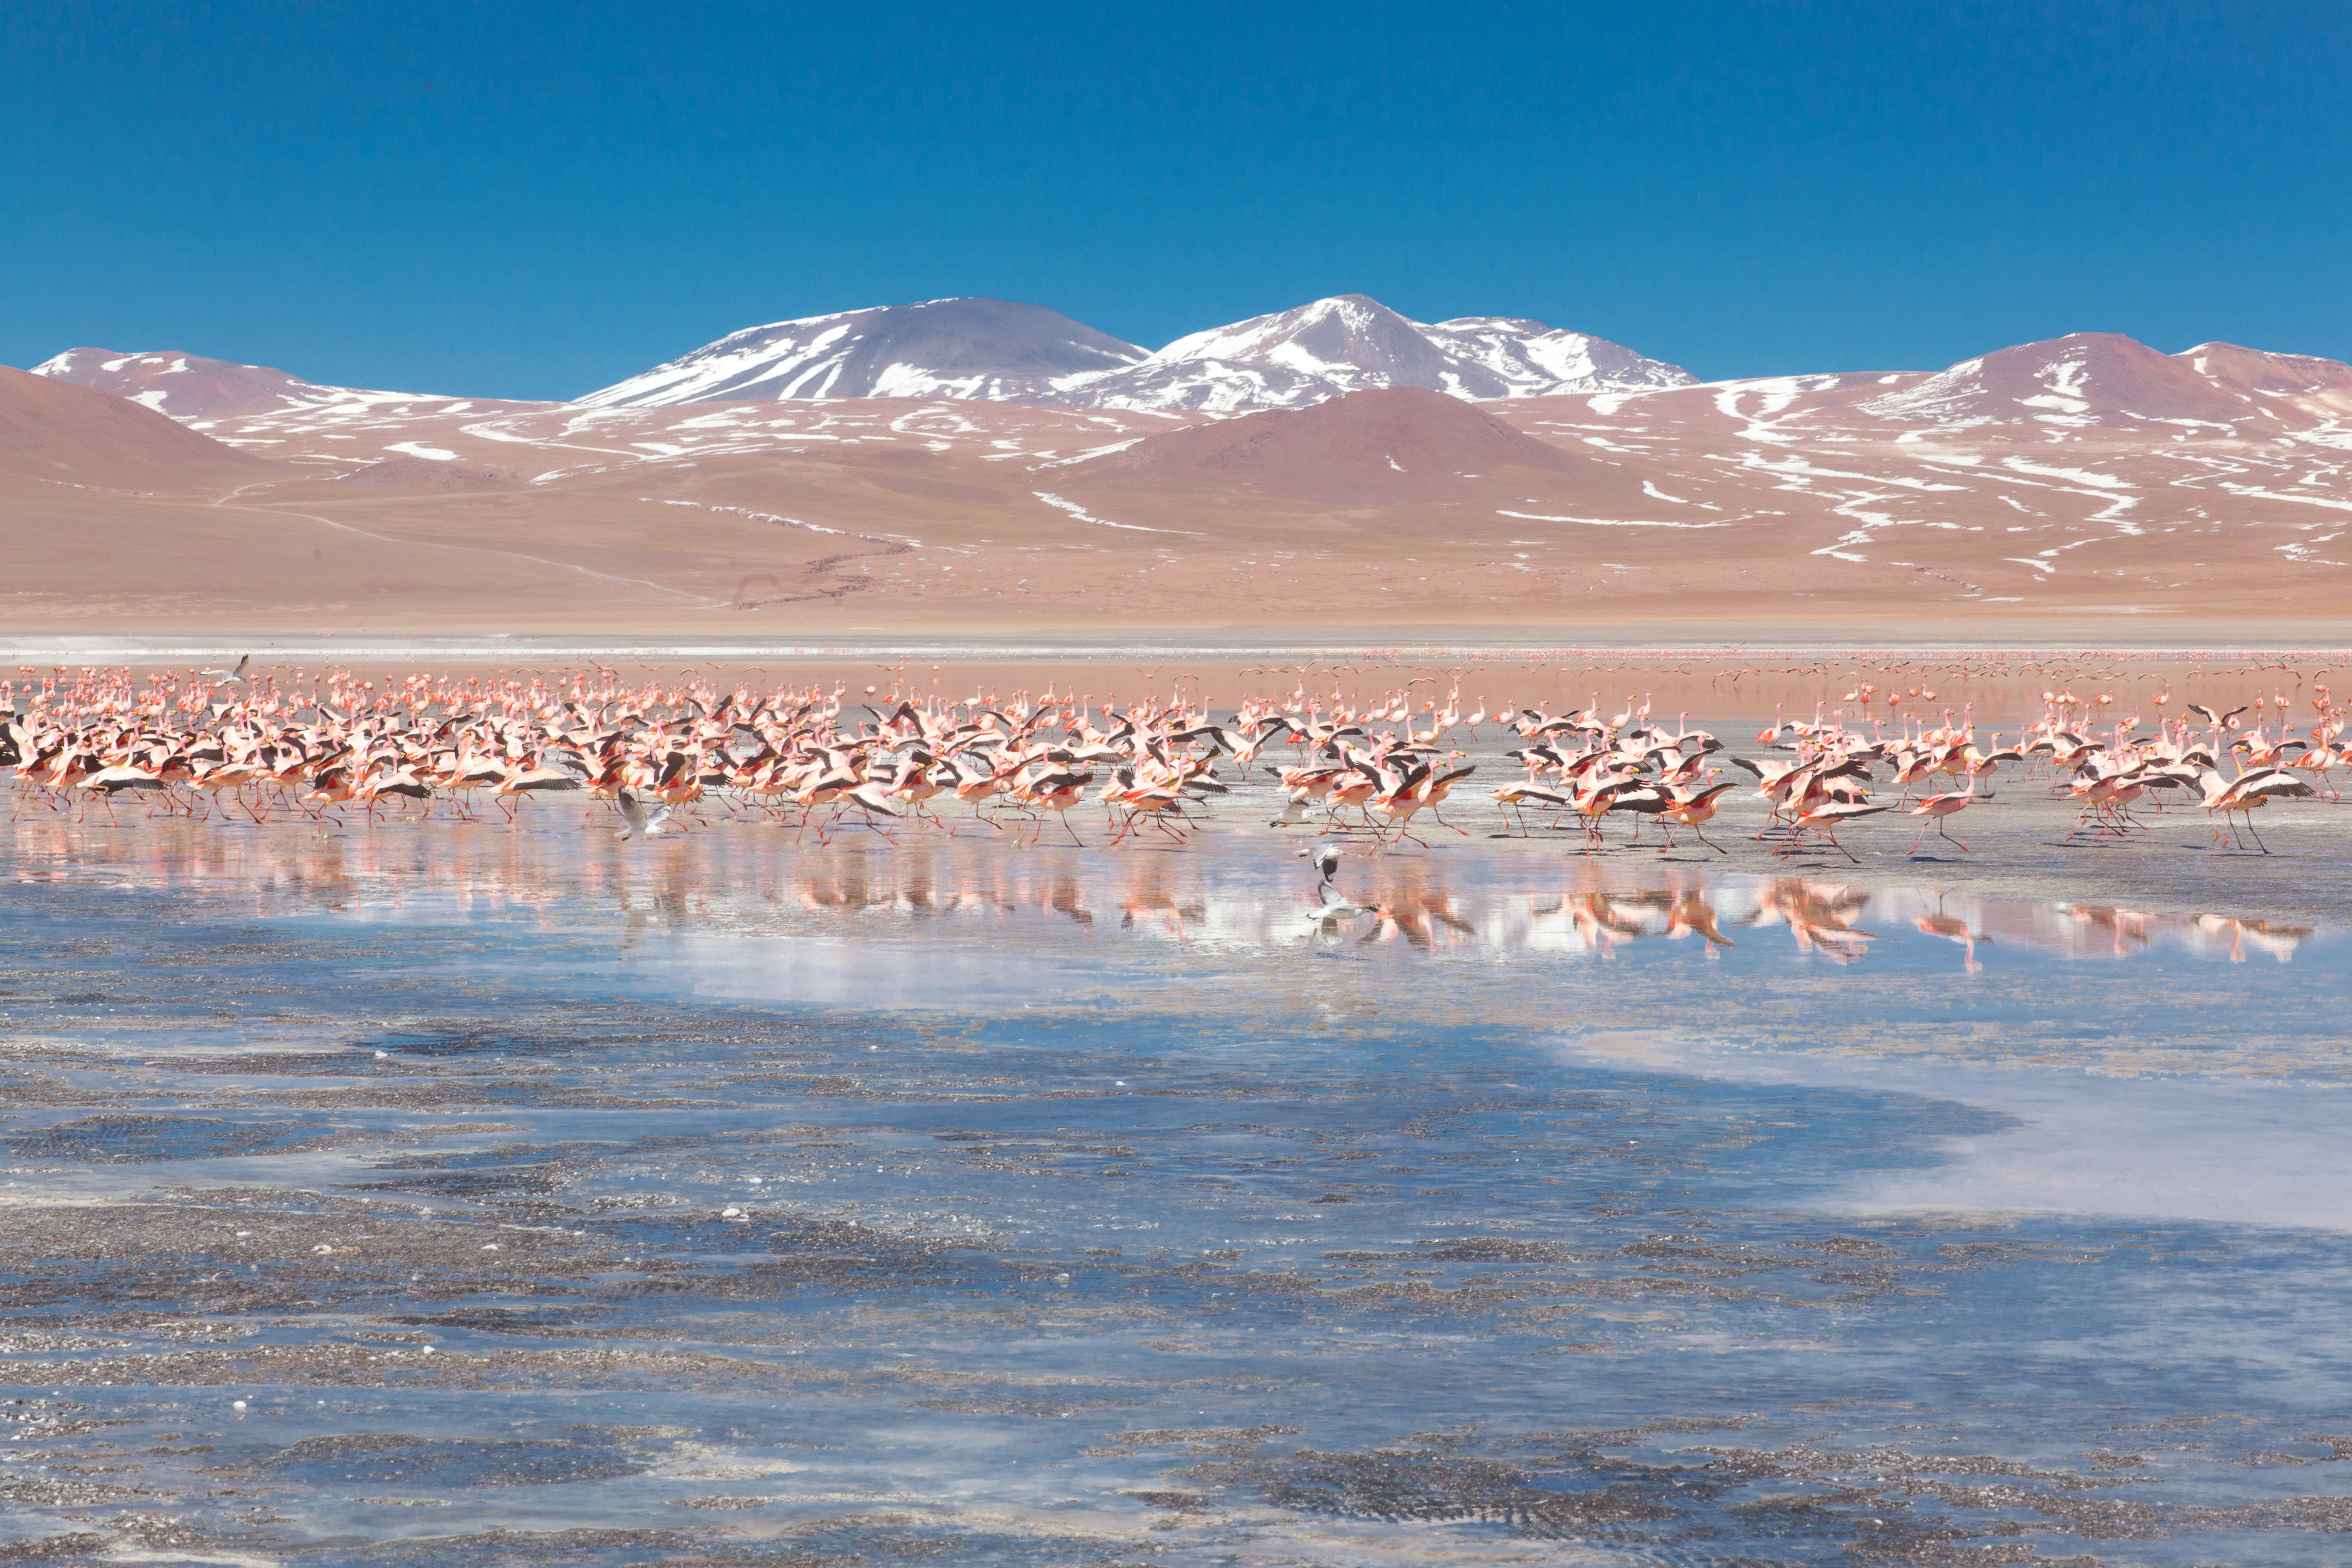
x=1292, y=815
x=1330, y=904
x=236, y=674
x=641, y=822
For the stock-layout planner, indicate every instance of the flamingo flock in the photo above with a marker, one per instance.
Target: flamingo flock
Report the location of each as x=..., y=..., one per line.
x=248, y=746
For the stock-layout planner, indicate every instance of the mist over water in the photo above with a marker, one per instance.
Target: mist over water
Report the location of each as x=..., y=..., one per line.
x=729, y=1199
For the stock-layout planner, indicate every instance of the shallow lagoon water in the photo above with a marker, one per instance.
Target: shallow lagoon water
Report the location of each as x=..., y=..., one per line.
x=1120, y=1207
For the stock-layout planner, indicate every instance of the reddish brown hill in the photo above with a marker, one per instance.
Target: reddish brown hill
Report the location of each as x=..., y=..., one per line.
x=2084, y=378
x=71, y=435
x=185, y=386
x=2301, y=378
x=1390, y=444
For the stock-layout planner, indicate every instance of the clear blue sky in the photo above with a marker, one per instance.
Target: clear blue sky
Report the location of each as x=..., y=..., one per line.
x=531, y=200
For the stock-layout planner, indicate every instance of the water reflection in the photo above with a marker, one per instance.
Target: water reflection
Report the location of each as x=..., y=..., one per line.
x=2133, y=931
x=1228, y=896
x=1819, y=915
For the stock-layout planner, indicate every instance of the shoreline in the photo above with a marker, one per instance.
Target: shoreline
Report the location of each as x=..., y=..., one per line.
x=1998, y=688
x=493, y=649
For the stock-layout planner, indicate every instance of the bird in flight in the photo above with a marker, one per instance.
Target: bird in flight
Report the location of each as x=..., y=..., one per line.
x=227, y=676
x=2210, y=717
x=642, y=824
x=1331, y=905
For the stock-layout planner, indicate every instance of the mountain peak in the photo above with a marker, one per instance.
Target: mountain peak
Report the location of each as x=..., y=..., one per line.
x=183, y=385
x=1350, y=343
x=1346, y=338
x=967, y=348
x=2080, y=379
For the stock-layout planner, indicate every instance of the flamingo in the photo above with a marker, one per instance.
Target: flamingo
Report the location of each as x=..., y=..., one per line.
x=1823, y=820
x=1937, y=808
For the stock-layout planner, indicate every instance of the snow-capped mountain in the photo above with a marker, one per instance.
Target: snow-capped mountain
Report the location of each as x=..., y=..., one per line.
x=1497, y=356
x=991, y=350
x=1287, y=359
x=2082, y=379
x=1348, y=344
x=988, y=349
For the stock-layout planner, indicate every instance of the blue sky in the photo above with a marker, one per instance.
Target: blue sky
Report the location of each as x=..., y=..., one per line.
x=531, y=200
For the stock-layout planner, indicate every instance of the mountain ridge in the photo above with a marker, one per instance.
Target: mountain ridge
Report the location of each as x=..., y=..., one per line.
x=995, y=350
x=1310, y=354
